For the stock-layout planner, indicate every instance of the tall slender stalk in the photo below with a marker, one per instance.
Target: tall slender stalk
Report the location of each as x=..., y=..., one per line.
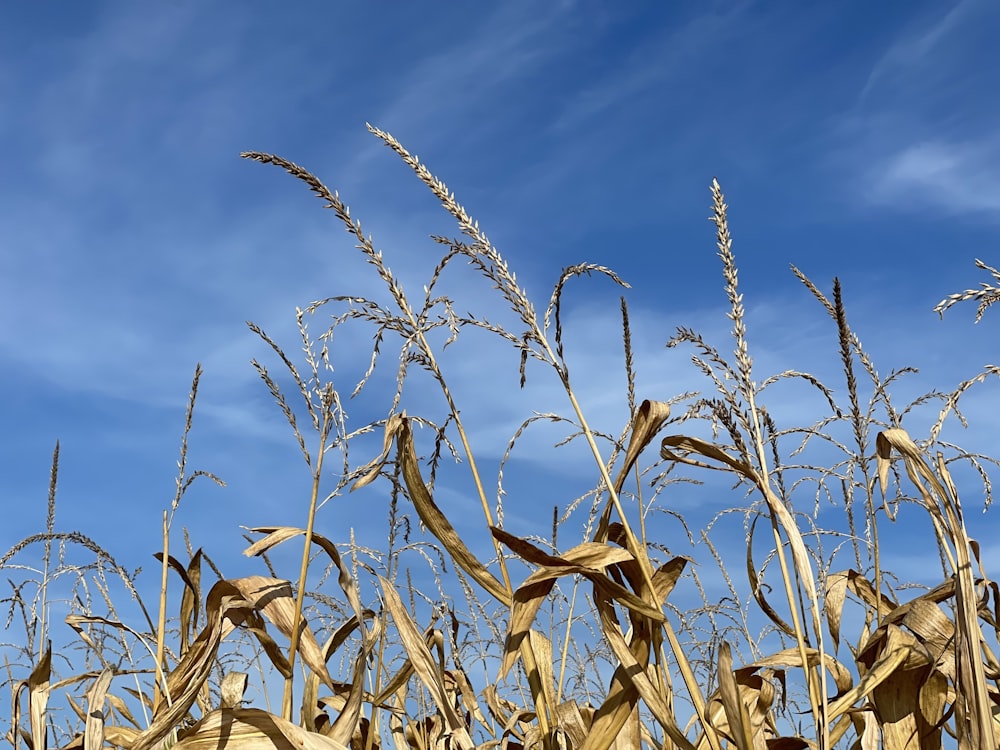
x=182, y=482
x=326, y=425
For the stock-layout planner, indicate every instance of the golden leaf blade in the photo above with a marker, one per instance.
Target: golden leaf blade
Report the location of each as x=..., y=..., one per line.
x=251, y=729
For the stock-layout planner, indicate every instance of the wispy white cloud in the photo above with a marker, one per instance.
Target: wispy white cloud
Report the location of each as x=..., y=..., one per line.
x=644, y=72
x=923, y=136
x=450, y=91
x=929, y=45
x=957, y=177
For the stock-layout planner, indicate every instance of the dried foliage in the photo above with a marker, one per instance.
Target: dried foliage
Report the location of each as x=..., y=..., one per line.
x=598, y=645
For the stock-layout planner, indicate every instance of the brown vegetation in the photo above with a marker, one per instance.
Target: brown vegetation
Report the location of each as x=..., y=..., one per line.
x=587, y=650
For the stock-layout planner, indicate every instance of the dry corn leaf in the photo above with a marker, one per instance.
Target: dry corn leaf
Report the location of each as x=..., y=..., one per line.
x=869, y=735
x=275, y=600
x=468, y=695
x=591, y=555
x=230, y=604
x=121, y=736
x=499, y=707
x=889, y=652
x=226, y=608
x=521, y=725
x=278, y=534
x=529, y=597
x=250, y=729
x=758, y=694
x=940, y=593
x=648, y=420
x=348, y=720
x=433, y=638
x=865, y=590
x=737, y=716
x=757, y=590
x=629, y=682
x=365, y=737
x=790, y=657
x=77, y=709
x=310, y=699
x=74, y=744
x=232, y=689
x=588, y=560
x=629, y=737
x=427, y=733
x=435, y=520
x=122, y=708
x=911, y=705
x=833, y=604
x=664, y=578
x=585, y=559
x=541, y=650
x=679, y=448
x=342, y=633
x=93, y=732
x=191, y=601
x=397, y=731
x=909, y=693
x=572, y=724
x=424, y=666
x=311, y=715
x=76, y=622
x=371, y=471
x=531, y=553
x=178, y=568
x=38, y=697
x=974, y=709
x=935, y=632
x=143, y=698
x=254, y=624
x=81, y=713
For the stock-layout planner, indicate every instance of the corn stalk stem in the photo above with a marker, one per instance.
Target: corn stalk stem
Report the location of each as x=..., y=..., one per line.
x=161, y=622
x=286, y=702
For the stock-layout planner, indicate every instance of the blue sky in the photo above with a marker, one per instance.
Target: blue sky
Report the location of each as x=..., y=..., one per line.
x=850, y=139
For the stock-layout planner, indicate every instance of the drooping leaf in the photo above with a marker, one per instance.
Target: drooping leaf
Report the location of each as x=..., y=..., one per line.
x=648, y=420
x=437, y=523
x=279, y=534
x=424, y=666
x=372, y=470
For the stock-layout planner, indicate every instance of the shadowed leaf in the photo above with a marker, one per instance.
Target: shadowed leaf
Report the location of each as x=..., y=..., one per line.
x=736, y=711
x=251, y=729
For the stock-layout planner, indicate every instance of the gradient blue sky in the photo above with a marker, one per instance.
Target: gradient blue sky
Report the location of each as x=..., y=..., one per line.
x=852, y=139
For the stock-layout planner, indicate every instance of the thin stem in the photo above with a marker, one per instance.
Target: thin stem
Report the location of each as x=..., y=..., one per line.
x=286, y=703
x=161, y=622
